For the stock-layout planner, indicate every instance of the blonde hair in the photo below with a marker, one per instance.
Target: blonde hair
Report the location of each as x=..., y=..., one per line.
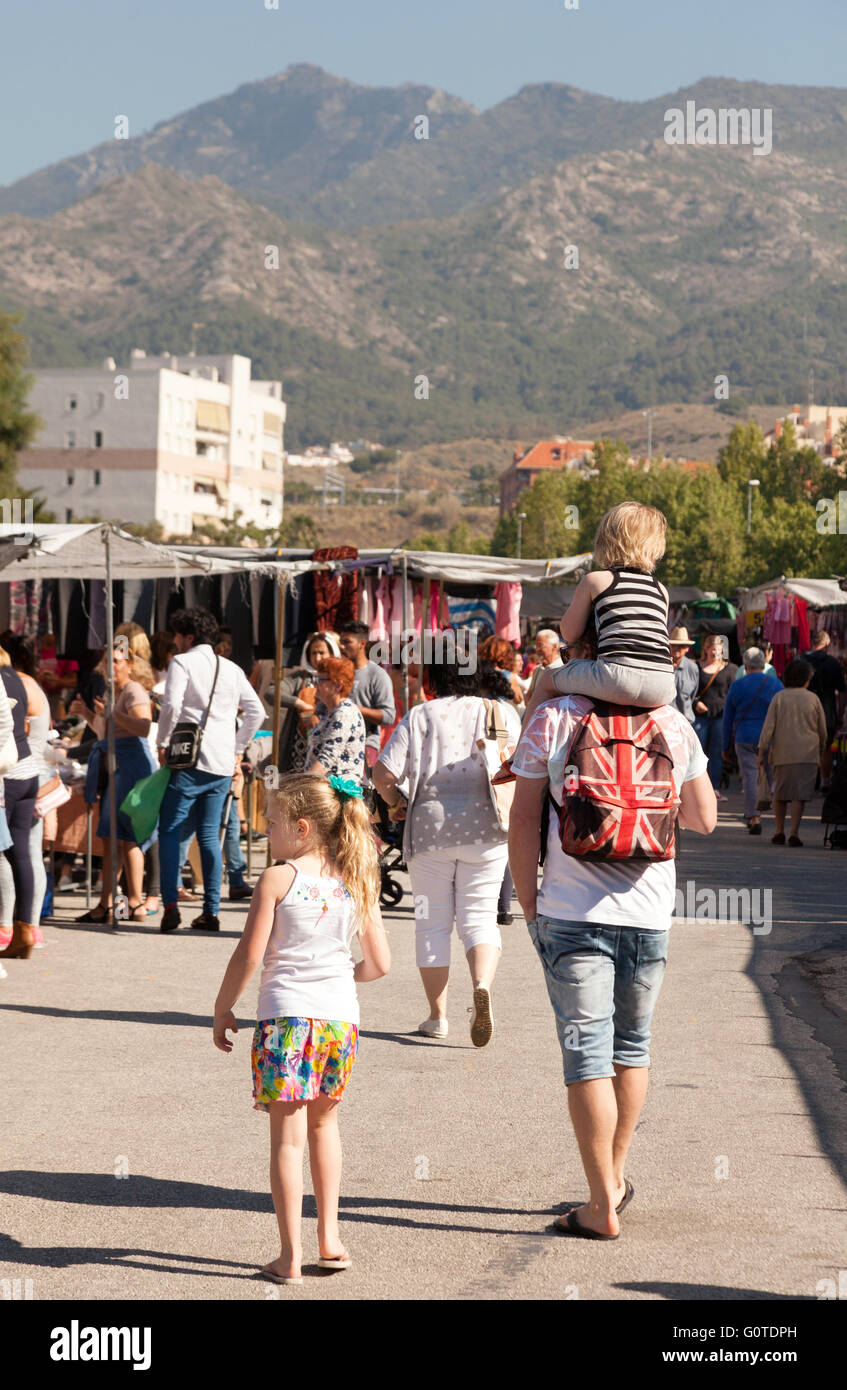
x=342, y=826
x=630, y=535
x=139, y=642
x=5, y=659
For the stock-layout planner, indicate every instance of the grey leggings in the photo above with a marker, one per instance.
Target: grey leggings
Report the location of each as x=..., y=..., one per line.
x=619, y=685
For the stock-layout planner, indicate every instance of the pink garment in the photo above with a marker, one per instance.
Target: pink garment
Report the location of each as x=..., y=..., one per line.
x=434, y=604
x=417, y=608
x=804, y=637
x=396, y=618
x=508, y=598
x=382, y=600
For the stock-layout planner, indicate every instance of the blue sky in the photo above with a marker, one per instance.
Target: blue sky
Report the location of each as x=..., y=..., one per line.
x=70, y=67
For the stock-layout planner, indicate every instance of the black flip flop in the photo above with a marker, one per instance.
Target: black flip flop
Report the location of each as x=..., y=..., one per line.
x=627, y=1197
x=575, y=1228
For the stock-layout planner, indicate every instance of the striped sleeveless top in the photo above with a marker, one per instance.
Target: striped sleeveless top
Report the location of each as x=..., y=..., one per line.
x=632, y=622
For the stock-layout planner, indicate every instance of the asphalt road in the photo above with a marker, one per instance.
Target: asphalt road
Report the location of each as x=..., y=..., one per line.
x=135, y=1166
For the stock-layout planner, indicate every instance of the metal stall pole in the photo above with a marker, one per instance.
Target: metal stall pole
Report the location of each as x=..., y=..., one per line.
x=427, y=586
x=248, y=815
x=404, y=655
x=280, y=635
x=110, y=725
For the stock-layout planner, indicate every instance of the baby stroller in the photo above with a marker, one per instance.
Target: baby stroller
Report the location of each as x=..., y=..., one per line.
x=391, y=857
x=834, y=809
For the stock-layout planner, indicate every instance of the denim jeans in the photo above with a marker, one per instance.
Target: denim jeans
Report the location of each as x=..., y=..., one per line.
x=710, y=733
x=603, y=983
x=748, y=762
x=235, y=861
x=192, y=804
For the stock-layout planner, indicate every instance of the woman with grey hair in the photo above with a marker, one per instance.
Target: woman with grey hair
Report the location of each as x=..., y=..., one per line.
x=743, y=717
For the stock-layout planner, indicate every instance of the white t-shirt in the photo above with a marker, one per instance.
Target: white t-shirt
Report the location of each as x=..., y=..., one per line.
x=434, y=748
x=623, y=892
x=308, y=965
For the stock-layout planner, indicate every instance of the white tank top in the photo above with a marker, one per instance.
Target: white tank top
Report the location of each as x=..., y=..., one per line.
x=308, y=966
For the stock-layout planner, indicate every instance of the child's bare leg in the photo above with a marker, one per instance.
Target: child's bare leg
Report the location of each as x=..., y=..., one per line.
x=325, y=1163
x=288, y=1142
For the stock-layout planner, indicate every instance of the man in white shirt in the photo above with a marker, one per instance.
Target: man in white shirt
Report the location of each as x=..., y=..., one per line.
x=601, y=931
x=194, y=800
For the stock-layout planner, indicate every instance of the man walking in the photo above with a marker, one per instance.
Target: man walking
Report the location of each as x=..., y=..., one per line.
x=372, y=689
x=685, y=673
x=601, y=930
x=194, y=800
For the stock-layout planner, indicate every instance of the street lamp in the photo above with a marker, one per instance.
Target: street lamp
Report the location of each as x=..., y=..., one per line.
x=751, y=483
x=521, y=517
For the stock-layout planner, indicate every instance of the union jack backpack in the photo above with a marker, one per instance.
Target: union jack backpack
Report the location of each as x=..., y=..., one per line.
x=620, y=801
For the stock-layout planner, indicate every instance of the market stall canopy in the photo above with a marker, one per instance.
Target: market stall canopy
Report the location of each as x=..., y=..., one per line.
x=79, y=552
x=820, y=593
x=486, y=569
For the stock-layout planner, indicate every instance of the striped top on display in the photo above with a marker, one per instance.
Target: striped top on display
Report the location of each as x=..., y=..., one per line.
x=631, y=617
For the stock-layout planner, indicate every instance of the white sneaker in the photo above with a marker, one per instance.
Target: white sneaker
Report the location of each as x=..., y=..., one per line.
x=433, y=1028
x=3, y=973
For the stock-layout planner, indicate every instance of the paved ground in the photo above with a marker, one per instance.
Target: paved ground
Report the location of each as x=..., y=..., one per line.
x=454, y=1158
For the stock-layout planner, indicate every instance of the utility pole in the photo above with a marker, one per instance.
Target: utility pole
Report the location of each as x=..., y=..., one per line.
x=521, y=517
x=649, y=413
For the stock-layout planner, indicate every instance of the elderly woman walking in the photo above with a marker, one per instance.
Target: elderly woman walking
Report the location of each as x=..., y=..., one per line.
x=743, y=716
x=794, y=741
x=455, y=848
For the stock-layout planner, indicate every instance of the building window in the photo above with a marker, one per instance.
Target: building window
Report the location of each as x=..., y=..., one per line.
x=70, y=439
x=70, y=479
x=96, y=477
x=69, y=514
x=73, y=402
x=98, y=400
x=98, y=439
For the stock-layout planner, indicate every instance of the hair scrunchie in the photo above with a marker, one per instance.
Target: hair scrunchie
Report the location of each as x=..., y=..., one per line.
x=345, y=787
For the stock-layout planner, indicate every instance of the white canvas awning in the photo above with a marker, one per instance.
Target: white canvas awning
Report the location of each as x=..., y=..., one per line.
x=79, y=552
x=820, y=593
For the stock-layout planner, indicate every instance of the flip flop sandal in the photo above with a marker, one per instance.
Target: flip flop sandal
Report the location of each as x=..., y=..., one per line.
x=627, y=1197
x=337, y=1262
x=573, y=1227
x=279, y=1279
x=138, y=913
x=90, y=917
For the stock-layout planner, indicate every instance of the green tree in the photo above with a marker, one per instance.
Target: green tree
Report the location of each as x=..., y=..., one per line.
x=18, y=424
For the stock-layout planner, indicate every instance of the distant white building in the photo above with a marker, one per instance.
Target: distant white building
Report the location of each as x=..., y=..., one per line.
x=183, y=441
x=815, y=425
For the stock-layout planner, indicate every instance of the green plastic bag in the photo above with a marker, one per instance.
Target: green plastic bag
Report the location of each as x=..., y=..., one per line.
x=142, y=804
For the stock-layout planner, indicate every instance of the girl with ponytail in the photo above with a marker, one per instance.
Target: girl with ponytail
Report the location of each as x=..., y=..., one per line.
x=303, y=917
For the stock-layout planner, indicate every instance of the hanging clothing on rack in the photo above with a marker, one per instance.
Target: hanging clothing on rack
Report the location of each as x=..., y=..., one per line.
x=382, y=602
x=804, y=637
x=508, y=599
x=336, y=593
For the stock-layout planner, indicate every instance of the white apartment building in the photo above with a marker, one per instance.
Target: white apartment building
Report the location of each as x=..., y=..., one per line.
x=815, y=425
x=184, y=441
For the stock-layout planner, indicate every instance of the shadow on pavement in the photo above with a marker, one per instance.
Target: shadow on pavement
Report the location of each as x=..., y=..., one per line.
x=104, y=1190
x=62, y=1256
x=126, y=1016
x=712, y=1292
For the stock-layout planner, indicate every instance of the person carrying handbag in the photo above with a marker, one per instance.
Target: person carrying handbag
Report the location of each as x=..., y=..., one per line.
x=454, y=842
x=198, y=739
x=744, y=714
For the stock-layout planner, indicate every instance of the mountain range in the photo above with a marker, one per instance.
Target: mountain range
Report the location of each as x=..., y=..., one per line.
x=423, y=288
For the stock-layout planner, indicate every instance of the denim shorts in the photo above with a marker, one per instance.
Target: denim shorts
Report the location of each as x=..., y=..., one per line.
x=603, y=983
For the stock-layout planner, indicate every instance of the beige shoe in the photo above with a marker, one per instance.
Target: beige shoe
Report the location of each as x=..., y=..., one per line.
x=433, y=1028
x=482, y=1023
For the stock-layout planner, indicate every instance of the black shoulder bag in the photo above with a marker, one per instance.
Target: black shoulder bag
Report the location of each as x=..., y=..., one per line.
x=184, y=743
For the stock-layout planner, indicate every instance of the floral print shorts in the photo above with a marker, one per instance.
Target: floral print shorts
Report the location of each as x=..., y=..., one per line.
x=301, y=1058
